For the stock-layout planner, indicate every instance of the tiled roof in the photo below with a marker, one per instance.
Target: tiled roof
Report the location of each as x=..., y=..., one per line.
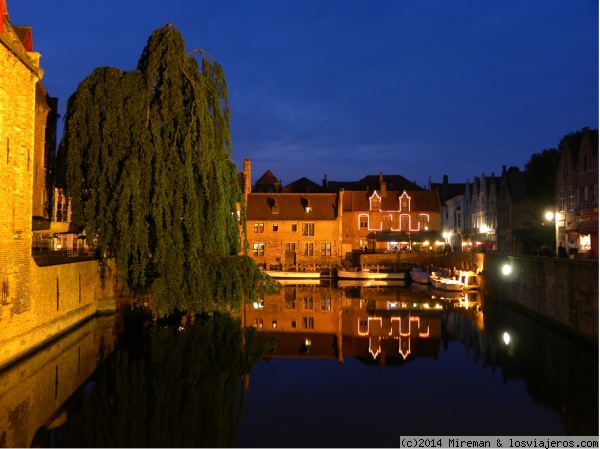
x=267, y=178
x=423, y=200
x=303, y=185
x=370, y=182
x=292, y=206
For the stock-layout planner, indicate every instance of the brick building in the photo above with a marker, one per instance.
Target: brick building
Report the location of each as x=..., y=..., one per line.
x=20, y=119
x=387, y=220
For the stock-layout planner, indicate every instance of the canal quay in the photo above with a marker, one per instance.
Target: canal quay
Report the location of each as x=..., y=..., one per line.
x=349, y=365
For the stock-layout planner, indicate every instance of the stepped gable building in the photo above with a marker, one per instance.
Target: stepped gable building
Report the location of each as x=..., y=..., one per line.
x=389, y=220
x=577, y=192
x=452, y=197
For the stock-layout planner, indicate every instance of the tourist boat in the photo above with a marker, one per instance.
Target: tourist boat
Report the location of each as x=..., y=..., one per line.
x=276, y=274
x=420, y=276
x=366, y=273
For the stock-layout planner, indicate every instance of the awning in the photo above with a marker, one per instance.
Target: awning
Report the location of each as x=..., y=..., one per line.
x=583, y=227
x=430, y=236
x=391, y=236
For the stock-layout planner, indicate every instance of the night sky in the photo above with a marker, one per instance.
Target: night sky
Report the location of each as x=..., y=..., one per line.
x=353, y=88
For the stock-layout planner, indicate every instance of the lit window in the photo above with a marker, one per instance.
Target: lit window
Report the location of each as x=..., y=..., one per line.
x=259, y=249
x=259, y=227
x=326, y=249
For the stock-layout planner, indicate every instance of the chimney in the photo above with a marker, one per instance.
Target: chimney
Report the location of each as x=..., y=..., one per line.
x=382, y=185
x=325, y=182
x=247, y=177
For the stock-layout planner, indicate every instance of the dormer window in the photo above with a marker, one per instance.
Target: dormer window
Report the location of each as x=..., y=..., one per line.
x=375, y=201
x=307, y=207
x=404, y=203
x=275, y=208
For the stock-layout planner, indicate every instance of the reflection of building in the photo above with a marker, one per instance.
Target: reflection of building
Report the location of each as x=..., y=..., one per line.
x=375, y=324
x=33, y=392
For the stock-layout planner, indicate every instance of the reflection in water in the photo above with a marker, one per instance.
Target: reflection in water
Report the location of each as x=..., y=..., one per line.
x=165, y=387
x=380, y=324
x=33, y=390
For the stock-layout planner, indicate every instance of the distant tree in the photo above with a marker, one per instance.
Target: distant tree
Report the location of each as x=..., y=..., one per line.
x=145, y=158
x=540, y=176
x=540, y=183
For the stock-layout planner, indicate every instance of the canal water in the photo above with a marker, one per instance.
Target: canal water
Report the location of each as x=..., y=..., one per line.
x=319, y=365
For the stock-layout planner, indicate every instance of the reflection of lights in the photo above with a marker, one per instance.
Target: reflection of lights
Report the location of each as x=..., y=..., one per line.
x=506, y=338
x=307, y=342
x=506, y=269
x=393, y=304
x=274, y=324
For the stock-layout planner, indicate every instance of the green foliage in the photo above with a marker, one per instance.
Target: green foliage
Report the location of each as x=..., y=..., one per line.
x=168, y=388
x=146, y=160
x=540, y=177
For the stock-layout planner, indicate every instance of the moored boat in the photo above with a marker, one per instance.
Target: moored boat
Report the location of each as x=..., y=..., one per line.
x=420, y=276
x=293, y=274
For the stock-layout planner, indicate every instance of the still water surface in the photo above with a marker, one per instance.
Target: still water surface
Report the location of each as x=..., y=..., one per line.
x=352, y=366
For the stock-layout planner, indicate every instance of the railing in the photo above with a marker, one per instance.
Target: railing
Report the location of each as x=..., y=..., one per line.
x=44, y=257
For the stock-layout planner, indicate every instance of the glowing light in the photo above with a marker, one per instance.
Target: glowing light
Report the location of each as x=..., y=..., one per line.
x=506, y=269
x=549, y=216
x=506, y=338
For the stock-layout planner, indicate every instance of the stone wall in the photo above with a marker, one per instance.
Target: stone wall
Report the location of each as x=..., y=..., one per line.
x=62, y=297
x=561, y=291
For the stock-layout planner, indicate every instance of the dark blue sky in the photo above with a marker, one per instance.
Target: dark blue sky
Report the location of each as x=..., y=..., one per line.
x=350, y=88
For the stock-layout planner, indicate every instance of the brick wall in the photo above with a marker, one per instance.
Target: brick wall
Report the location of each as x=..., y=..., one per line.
x=62, y=296
x=18, y=78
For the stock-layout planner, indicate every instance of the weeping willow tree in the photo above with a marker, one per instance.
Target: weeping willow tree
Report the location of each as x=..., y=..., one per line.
x=146, y=160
